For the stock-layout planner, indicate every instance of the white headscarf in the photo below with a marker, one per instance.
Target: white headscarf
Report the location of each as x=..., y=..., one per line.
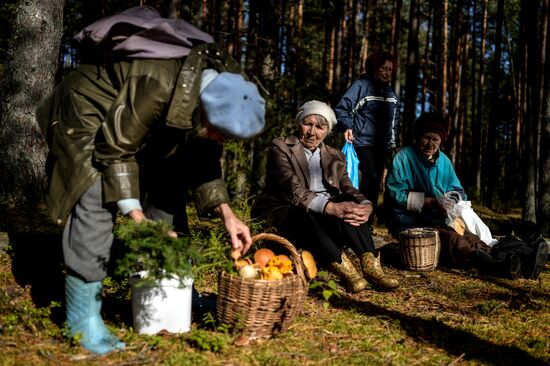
x=316, y=107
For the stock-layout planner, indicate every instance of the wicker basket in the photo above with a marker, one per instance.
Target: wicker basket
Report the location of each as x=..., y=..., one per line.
x=262, y=308
x=420, y=248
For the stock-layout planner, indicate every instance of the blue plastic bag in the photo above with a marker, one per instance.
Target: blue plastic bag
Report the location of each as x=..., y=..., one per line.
x=352, y=163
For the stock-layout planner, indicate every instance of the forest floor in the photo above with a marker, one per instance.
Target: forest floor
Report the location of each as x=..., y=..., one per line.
x=441, y=317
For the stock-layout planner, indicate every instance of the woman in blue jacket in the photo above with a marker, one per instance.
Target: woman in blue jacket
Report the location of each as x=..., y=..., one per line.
x=368, y=114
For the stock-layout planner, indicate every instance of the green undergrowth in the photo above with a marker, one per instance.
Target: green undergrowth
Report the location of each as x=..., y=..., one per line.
x=442, y=317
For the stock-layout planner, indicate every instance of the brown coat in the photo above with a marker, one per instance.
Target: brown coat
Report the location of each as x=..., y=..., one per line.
x=287, y=178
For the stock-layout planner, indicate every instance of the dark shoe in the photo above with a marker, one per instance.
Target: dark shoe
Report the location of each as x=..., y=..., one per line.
x=507, y=267
x=513, y=267
x=346, y=271
x=536, y=260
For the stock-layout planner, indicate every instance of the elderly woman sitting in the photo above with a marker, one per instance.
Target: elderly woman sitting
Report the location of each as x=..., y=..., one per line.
x=311, y=200
x=422, y=189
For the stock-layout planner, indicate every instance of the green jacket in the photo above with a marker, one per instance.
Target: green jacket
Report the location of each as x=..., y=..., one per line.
x=100, y=117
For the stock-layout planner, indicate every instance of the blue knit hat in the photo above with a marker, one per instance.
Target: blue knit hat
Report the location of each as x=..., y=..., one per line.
x=233, y=105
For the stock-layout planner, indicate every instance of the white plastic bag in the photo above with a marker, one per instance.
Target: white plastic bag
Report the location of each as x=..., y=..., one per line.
x=474, y=224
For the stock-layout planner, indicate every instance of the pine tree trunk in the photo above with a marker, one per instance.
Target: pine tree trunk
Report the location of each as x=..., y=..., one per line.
x=31, y=65
x=426, y=75
x=492, y=165
x=532, y=116
x=352, y=36
x=460, y=40
x=341, y=30
x=543, y=212
x=441, y=55
x=477, y=150
x=395, y=39
x=411, y=74
x=365, y=41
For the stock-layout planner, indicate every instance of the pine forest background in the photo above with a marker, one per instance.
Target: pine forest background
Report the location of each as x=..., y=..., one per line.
x=483, y=64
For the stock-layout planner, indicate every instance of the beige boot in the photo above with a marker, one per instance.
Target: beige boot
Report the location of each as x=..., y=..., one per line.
x=372, y=270
x=347, y=272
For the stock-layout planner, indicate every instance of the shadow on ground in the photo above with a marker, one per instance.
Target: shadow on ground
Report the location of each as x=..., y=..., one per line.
x=37, y=261
x=455, y=341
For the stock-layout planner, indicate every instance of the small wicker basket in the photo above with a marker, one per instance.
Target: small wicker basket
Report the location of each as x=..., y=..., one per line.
x=420, y=248
x=262, y=308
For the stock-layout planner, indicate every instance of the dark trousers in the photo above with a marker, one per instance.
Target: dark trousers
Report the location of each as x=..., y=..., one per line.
x=88, y=234
x=371, y=166
x=325, y=236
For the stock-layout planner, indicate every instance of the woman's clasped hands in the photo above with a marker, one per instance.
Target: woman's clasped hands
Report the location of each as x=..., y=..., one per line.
x=352, y=213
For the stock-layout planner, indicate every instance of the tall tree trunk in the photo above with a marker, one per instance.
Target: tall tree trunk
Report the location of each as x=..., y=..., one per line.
x=238, y=29
x=492, y=167
x=330, y=37
x=300, y=77
x=531, y=118
x=426, y=75
x=366, y=32
x=395, y=40
x=543, y=212
x=31, y=65
x=341, y=30
x=441, y=59
x=411, y=86
x=460, y=39
x=352, y=35
x=462, y=108
x=477, y=150
x=472, y=4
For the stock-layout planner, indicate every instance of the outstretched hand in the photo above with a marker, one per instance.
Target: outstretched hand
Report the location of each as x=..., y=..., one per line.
x=238, y=231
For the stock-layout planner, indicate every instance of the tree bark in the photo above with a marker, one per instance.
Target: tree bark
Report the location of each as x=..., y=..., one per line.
x=441, y=55
x=395, y=39
x=492, y=166
x=543, y=212
x=31, y=65
x=365, y=41
x=352, y=35
x=477, y=123
x=426, y=75
x=531, y=117
x=411, y=87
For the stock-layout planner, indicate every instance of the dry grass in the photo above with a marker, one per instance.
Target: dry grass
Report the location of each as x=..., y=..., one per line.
x=442, y=317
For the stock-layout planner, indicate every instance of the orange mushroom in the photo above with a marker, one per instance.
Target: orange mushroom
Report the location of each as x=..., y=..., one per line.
x=262, y=256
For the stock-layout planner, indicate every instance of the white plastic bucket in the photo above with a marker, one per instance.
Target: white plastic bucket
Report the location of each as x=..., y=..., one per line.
x=162, y=305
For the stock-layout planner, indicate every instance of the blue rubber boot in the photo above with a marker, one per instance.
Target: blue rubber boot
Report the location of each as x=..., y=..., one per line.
x=84, y=317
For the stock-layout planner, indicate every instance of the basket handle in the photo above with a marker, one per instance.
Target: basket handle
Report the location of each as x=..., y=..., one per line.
x=296, y=258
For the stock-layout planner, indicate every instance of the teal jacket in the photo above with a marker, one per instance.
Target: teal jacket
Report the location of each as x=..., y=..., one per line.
x=411, y=174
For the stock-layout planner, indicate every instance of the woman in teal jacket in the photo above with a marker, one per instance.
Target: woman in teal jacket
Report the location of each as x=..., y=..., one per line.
x=422, y=187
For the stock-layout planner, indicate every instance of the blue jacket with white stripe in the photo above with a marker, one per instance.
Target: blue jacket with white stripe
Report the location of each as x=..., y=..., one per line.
x=371, y=109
